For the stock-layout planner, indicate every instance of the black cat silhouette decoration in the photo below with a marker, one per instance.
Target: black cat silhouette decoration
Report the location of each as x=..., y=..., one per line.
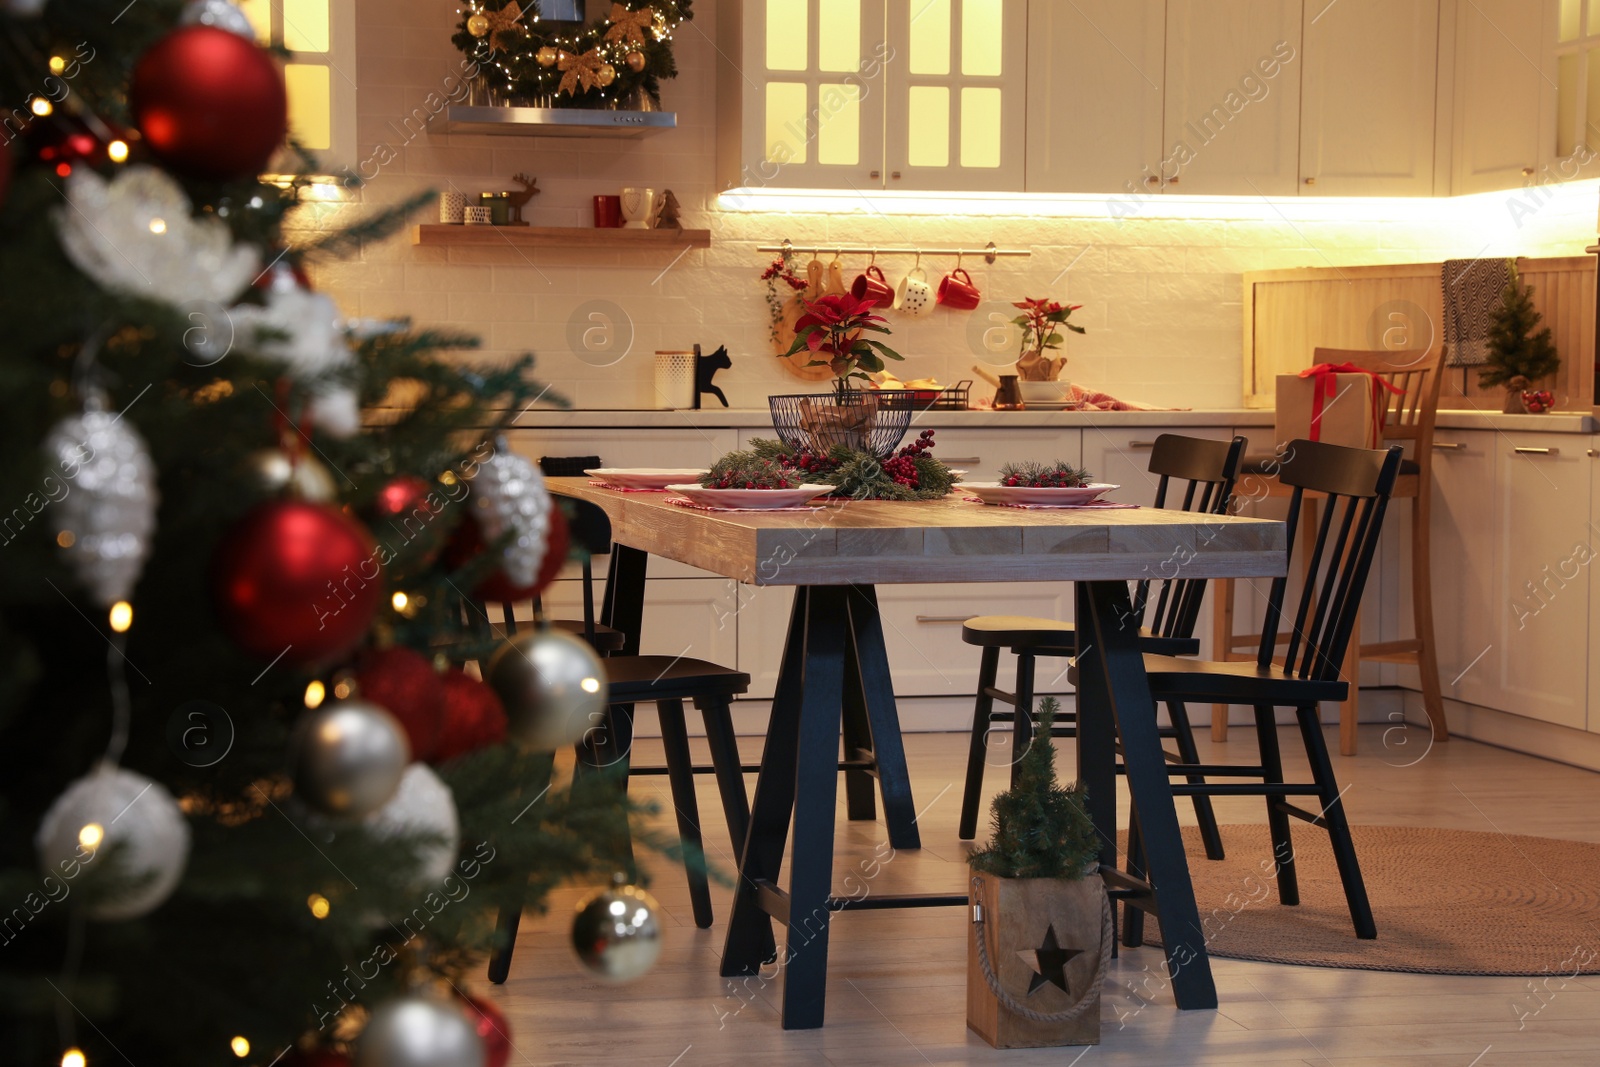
x=705, y=367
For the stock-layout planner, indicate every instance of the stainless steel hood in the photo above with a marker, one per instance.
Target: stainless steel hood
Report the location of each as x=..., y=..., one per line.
x=556, y=121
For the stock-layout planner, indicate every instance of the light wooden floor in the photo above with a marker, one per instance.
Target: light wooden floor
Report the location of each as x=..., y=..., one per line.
x=896, y=986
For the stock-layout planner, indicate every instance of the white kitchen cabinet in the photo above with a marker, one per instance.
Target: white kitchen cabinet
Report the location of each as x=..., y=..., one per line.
x=872, y=94
x=1591, y=541
x=1504, y=93
x=1368, y=95
x=1095, y=75
x=1232, y=110
x=1541, y=601
x=692, y=617
x=1462, y=537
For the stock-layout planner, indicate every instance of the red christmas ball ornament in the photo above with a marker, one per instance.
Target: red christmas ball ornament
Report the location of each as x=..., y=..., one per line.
x=468, y=543
x=297, y=580
x=402, y=513
x=210, y=103
x=474, y=718
x=490, y=1022
x=404, y=683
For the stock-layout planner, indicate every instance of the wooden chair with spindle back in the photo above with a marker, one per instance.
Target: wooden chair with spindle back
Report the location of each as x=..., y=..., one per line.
x=1409, y=417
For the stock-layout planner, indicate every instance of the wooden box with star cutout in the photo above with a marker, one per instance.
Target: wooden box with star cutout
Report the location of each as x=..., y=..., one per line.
x=1043, y=942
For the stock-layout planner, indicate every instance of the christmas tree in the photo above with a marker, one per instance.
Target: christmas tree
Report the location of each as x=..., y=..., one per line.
x=256, y=804
x=1515, y=350
x=1041, y=829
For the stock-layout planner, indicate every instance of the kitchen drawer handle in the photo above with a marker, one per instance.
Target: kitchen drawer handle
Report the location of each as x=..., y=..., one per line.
x=1594, y=452
x=945, y=618
x=1450, y=446
x=1141, y=444
x=1536, y=451
x=947, y=460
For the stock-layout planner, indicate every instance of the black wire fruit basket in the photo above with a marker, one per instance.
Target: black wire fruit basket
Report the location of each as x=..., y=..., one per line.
x=868, y=420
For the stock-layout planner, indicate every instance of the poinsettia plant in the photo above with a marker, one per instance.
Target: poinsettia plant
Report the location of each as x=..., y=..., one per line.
x=832, y=331
x=1039, y=321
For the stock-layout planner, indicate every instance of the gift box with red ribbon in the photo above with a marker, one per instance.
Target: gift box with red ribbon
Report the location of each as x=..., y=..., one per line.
x=1338, y=403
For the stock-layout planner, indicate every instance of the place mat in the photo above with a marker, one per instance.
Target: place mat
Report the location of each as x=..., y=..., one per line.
x=684, y=502
x=1444, y=901
x=1103, y=505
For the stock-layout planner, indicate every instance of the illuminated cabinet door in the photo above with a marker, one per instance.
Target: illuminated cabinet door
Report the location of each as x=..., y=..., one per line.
x=319, y=73
x=1232, y=123
x=1571, y=147
x=1504, y=100
x=1368, y=97
x=1095, y=74
x=955, y=91
x=811, y=89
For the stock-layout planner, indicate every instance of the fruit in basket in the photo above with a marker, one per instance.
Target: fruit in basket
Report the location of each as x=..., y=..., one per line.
x=1057, y=475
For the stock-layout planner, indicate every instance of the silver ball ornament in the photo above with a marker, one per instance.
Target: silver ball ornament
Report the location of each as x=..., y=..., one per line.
x=553, y=687
x=422, y=804
x=273, y=472
x=347, y=758
x=220, y=14
x=510, y=495
x=419, y=1032
x=108, y=511
x=113, y=808
x=617, y=932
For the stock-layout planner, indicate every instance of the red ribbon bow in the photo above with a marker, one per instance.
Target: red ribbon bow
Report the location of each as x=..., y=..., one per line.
x=1327, y=387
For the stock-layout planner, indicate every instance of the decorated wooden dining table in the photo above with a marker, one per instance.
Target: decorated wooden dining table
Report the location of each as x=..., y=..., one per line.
x=834, y=664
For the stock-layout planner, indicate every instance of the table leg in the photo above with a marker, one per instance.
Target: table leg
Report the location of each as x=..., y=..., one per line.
x=750, y=943
x=874, y=683
x=1126, y=692
x=860, y=792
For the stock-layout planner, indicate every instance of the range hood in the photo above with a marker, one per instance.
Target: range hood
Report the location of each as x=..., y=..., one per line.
x=556, y=121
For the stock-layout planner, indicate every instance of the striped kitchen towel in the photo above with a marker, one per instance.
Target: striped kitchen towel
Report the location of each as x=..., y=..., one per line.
x=1472, y=289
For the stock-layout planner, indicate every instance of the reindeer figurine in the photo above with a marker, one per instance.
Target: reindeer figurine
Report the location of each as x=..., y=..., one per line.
x=517, y=201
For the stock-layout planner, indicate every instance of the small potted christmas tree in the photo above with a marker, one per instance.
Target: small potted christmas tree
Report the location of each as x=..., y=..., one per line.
x=1518, y=356
x=1041, y=922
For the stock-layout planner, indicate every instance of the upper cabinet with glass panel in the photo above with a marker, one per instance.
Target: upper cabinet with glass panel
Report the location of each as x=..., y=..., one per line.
x=1577, y=110
x=872, y=94
x=319, y=74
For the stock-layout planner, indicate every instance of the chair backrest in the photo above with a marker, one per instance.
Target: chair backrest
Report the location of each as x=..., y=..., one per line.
x=1208, y=469
x=1417, y=373
x=590, y=526
x=1353, y=485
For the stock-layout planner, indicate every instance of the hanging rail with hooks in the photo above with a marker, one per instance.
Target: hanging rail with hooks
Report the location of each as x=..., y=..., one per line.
x=988, y=252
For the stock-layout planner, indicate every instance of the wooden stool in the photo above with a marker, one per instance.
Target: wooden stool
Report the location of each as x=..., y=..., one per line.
x=1409, y=417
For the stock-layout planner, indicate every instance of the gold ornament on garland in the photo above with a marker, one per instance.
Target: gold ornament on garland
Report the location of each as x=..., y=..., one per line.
x=630, y=25
x=546, y=56
x=605, y=75
x=635, y=61
x=581, y=70
x=478, y=25
x=495, y=22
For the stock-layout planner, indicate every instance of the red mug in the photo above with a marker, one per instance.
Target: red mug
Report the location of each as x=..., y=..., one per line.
x=607, y=212
x=957, y=291
x=872, y=285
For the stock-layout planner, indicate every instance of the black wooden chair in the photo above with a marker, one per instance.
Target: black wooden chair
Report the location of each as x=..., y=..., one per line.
x=1356, y=485
x=590, y=530
x=1209, y=469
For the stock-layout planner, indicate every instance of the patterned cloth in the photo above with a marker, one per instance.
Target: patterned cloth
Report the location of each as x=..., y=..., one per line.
x=1472, y=289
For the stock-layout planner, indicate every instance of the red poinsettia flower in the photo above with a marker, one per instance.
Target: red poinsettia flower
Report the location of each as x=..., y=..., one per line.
x=833, y=325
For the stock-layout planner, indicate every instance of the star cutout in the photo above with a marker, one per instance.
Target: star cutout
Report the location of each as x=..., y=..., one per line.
x=1049, y=962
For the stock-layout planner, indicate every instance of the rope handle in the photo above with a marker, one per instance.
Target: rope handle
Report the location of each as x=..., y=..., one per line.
x=1011, y=1004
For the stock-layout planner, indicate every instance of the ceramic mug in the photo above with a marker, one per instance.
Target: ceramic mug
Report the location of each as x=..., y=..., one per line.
x=638, y=208
x=607, y=212
x=915, y=295
x=956, y=291
x=872, y=285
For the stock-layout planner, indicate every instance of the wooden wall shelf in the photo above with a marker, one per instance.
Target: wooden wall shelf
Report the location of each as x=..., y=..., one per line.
x=574, y=237
x=557, y=121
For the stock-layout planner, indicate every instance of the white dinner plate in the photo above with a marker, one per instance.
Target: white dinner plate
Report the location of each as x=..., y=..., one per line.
x=645, y=477
x=995, y=493
x=750, y=499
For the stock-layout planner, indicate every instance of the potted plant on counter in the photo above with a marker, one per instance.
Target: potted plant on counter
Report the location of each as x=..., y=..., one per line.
x=1041, y=920
x=1518, y=355
x=834, y=331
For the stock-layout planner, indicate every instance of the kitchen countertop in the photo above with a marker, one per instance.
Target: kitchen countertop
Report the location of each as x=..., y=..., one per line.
x=760, y=418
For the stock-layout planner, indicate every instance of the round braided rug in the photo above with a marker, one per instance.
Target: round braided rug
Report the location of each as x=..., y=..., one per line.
x=1444, y=901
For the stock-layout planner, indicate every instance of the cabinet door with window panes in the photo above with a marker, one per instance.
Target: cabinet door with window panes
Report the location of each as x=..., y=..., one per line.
x=1576, y=145
x=319, y=74
x=954, y=94
x=1503, y=94
x=877, y=94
